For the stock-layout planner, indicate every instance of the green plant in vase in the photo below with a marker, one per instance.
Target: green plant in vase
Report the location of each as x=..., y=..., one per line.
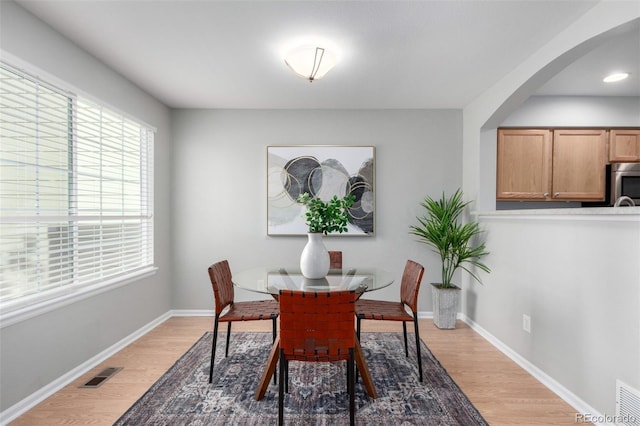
x=455, y=242
x=322, y=218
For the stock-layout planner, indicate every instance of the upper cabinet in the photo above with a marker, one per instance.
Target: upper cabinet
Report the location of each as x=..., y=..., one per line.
x=524, y=164
x=551, y=165
x=624, y=145
x=579, y=165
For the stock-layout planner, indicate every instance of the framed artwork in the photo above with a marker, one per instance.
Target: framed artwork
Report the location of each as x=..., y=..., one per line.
x=322, y=171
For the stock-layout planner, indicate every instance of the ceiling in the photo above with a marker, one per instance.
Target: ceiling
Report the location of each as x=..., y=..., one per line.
x=392, y=54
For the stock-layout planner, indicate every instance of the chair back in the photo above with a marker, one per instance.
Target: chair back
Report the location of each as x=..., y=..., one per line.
x=317, y=326
x=220, y=275
x=410, y=285
x=335, y=259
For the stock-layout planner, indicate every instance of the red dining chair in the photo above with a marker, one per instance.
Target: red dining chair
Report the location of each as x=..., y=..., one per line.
x=227, y=310
x=335, y=259
x=317, y=327
x=396, y=311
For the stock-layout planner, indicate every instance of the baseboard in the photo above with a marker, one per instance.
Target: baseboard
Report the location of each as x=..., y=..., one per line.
x=566, y=395
x=46, y=391
x=192, y=313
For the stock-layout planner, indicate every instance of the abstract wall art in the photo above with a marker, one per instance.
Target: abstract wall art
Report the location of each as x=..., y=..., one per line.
x=322, y=171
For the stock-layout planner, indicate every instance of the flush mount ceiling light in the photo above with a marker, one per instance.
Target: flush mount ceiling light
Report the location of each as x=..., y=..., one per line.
x=615, y=77
x=310, y=62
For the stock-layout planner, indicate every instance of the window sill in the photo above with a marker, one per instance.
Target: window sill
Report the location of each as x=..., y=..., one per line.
x=21, y=310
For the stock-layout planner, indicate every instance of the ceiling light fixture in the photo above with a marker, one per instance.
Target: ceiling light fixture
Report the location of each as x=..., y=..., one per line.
x=618, y=76
x=310, y=62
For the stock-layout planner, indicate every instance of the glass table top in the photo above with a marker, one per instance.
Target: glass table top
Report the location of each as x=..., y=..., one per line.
x=271, y=280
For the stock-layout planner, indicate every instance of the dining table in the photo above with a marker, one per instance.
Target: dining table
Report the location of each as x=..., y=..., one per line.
x=272, y=279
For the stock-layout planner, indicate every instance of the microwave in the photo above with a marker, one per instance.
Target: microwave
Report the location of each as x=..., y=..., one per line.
x=625, y=181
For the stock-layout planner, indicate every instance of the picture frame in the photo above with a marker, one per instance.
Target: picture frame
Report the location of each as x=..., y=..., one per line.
x=323, y=171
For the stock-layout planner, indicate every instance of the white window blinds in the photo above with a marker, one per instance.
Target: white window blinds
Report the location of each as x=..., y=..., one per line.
x=76, y=204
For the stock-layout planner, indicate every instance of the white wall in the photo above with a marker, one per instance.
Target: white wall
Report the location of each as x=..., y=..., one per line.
x=578, y=279
x=576, y=111
x=219, y=204
x=37, y=351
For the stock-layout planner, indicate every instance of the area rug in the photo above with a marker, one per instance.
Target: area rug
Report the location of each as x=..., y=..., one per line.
x=317, y=391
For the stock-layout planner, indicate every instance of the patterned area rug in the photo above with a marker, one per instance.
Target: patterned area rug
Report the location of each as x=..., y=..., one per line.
x=317, y=391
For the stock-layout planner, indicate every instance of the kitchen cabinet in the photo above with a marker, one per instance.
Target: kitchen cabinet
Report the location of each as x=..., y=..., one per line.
x=524, y=164
x=624, y=145
x=579, y=165
x=551, y=165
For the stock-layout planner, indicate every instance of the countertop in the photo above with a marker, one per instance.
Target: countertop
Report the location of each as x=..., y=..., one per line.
x=583, y=213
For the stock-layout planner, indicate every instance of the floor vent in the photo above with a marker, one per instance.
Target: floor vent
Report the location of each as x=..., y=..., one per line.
x=627, y=405
x=99, y=379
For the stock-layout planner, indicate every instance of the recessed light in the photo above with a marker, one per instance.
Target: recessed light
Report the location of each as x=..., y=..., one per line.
x=615, y=77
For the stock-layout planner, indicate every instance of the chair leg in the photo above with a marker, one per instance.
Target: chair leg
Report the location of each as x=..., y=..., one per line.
x=274, y=327
x=281, y=389
x=351, y=387
x=226, y=350
x=348, y=379
x=213, y=346
x=286, y=376
x=359, y=319
x=417, y=333
x=274, y=333
x=404, y=331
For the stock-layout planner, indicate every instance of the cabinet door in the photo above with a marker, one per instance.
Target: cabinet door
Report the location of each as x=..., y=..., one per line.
x=524, y=164
x=624, y=145
x=579, y=164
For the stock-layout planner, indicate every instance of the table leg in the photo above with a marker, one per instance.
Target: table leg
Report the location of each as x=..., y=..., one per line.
x=367, y=380
x=269, y=369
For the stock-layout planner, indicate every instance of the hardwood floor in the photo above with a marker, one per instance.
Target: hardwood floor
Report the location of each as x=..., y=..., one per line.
x=503, y=392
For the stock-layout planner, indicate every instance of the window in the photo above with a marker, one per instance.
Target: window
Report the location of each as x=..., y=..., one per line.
x=76, y=206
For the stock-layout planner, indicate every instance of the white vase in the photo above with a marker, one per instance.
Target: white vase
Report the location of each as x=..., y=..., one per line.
x=314, y=261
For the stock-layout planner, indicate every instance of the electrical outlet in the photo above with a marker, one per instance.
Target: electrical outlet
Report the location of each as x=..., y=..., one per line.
x=526, y=323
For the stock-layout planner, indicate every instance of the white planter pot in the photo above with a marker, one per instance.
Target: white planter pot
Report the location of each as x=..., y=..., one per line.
x=314, y=261
x=445, y=306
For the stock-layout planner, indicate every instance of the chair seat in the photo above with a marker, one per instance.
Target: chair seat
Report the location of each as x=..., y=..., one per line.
x=250, y=311
x=381, y=310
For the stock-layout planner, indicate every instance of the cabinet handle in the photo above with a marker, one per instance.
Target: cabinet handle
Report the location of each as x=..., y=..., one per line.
x=556, y=195
x=546, y=194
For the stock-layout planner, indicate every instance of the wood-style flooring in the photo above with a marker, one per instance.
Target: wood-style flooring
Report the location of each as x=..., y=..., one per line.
x=503, y=392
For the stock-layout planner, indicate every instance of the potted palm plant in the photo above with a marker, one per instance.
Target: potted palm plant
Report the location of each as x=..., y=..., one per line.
x=322, y=218
x=441, y=229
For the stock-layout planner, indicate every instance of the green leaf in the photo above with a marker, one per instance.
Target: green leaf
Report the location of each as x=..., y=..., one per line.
x=327, y=217
x=440, y=228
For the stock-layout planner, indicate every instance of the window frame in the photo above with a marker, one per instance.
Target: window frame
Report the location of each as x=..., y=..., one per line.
x=30, y=305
